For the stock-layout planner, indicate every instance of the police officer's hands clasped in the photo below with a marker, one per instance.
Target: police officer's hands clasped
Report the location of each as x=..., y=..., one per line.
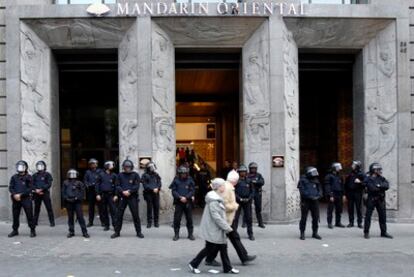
x=17, y=197
x=98, y=198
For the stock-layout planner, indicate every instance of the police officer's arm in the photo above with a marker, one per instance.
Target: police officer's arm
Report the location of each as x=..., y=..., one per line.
x=114, y=183
x=159, y=181
x=385, y=185
x=260, y=181
x=64, y=195
x=49, y=180
x=12, y=186
x=118, y=187
x=98, y=184
x=145, y=181
x=82, y=190
x=302, y=190
x=173, y=188
x=327, y=184
x=29, y=188
x=191, y=190
x=86, y=178
x=371, y=185
x=135, y=186
x=251, y=194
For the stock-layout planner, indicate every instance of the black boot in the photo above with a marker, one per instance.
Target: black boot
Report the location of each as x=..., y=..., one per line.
x=86, y=235
x=315, y=235
x=140, y=235
x=156, y=225
x=32, y=233
x=386, y=235
x=190, y=235
x=302, y=235
x=149, y=225
x=115, y=235
x=366, y=235
x=70, y=234
x=13, y=234
x=176, y=235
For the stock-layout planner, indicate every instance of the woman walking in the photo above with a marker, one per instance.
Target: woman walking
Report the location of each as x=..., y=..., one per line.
x=213, y=229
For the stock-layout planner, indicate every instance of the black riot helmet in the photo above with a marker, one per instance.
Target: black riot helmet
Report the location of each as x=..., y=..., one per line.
x=242, y=168
x=336, y=167
x=253, y=167
x=21, y=166
x=311, y=172
x=375, y=168
x=41, y=166
x=356, y=165
x=151, y=167
x=72, y=174
x=128, y=166
x=182, y=170
x=109, y=165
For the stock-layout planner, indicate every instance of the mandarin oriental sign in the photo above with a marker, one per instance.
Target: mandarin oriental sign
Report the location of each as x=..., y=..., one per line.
x=221, y=8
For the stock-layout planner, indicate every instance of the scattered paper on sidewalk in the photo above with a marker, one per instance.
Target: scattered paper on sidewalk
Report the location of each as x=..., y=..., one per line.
x=325, y=245
x=175, y=269
x=213, y=271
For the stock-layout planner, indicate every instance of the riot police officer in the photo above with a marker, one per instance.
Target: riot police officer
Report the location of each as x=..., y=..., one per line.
x=257, y=182
x=310, y=193
x=73, y=192
x=376, y=186
x=334, y=189
x=42, y=181
x=105, y=194
x=152, y=186
x=127, y=188
x=244, y=196
x=90, y=180
x=183, y=188
x=20, y=188
x=353, y=190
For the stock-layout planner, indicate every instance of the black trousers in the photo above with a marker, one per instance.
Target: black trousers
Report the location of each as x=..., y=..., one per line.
x=107, y=207
x=91, y=196
x=337, y=205
x=45, y=198
x=208, y=250
x=153, y=206
x=26, y=204
x=355, y=203
x=180, y=209
x=237, y=244
x=247, y=210
x=379, y=204
x=72, y=208
x=258, y=206
x=307, y=205
x=132, y=203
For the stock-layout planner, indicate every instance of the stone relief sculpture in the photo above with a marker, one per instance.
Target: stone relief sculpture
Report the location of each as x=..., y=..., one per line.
x=34, y=98
x=258, y=131
x=163, y=130
x=381, y=107
x=128, y=136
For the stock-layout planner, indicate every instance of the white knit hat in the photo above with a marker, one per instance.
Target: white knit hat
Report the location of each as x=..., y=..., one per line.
x=233, y=176
x=216, y=183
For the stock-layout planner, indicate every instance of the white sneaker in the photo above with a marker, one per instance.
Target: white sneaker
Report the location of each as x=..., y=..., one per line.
x=193, y=269
x=234, y=271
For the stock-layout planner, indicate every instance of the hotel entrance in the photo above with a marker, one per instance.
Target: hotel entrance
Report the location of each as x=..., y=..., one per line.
x=88, y=107
x=207, y=112
x=326, y=109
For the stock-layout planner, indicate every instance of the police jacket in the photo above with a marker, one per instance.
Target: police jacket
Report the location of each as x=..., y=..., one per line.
x=128, y=181
x=350, y=184
x=21, y=184
x=256, y=181
x=310, y=189
x=73, y=190
x=333, y=185
x=244, y=190
x=376, y=186
x=91, y=177
x=42, y=180
x=182, y=188
x=151, y=181
x=106, y=183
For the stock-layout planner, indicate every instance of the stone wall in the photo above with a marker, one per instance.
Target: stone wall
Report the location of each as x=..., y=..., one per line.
x=410, y=49
x=3, y=127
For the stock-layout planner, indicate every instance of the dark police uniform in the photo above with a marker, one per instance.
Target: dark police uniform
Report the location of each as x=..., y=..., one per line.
x=257, y=182
x=90, y=180
x=376, y=187
x=73, y=192
x=151, y=181
x=106, y=189
x=310, y=193
x=353, y=192
x=22, y=184
x=244, y=195
x=128, y=181
x=334, y=188
x=43, y=180
x=183, y=187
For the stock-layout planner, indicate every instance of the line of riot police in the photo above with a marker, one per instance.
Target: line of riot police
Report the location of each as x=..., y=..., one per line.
x=357, y=188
